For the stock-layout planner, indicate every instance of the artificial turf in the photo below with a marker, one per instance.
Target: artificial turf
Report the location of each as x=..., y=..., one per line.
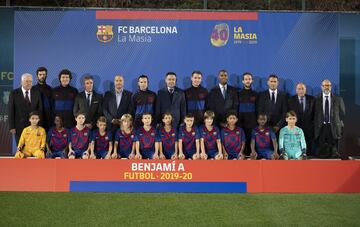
x=173, y=209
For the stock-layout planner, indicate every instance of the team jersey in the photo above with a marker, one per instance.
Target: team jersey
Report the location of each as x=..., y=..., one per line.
x=292, y=142
x=125, y=142
x=146, y=139
x=263, y=138
x=189, y=139
x=58, y=141
x=80, y=139
x=195, y=102
x=168, y=140
x=232, y=139
x=210, y=138
x=32, y=139
x=101, y=142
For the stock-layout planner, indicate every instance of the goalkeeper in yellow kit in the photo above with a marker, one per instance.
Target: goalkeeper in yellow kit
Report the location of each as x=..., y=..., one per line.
x=32, y=140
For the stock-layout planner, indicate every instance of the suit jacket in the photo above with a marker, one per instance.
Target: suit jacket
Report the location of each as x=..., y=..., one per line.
x=19, y=110
x=92, y=112
x=276, y=113
x=337, y=114
x=216, y=102
x=177, y=107
x=305, y=119
x=110, y=109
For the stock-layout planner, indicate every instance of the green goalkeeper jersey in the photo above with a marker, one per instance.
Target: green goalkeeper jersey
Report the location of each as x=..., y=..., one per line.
x=292, y=142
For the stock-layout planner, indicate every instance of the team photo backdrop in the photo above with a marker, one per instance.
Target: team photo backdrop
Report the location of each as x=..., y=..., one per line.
x=295, y=46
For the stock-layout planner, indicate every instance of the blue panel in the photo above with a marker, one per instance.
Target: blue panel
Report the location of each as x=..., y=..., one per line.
x=189, y=187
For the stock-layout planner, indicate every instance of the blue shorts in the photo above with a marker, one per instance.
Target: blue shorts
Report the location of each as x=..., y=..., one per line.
x=211, y=154
x=266, y=154
x=123, y=154
x=79, y=153
x=147, y=154
x=101, y=154
x=189, y=154
x=56, y=154
x=168, y=155
x=233, y=155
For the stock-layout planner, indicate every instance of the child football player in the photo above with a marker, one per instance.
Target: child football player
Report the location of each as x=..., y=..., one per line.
x=233, y=138
x=167, y=138
x=57, y=139
x=32, y=139
x=145, y=145
x=263, y=141
x=210, y=142
x=292, y=142
x=101, y=141
x=79, y=139
x=124, y=146
x=189, y=144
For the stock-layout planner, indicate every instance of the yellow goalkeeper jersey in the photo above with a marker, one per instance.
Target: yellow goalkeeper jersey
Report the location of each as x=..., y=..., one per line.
x=32, y=139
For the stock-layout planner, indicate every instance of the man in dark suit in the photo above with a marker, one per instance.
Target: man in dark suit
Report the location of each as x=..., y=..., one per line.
x=222, y=98
x=22, y=101
x=117, y=103
x=329, y=115
x=304, y=105
x=88, y=102
x=171, y=99
x=273, y=103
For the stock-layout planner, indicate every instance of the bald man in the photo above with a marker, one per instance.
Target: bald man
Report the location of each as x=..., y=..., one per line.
x=117, y=102
x=329, y=115
x=303, y=105
x=22, y=101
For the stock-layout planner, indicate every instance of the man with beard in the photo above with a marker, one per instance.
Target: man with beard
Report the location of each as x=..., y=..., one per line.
x=329, y=115
x=45, y=91
x=247, y=110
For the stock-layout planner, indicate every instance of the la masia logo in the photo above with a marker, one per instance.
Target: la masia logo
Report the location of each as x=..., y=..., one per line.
x=105, y=33
x=220, y=35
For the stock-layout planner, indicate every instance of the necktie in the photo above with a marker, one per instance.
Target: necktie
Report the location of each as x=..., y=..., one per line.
x=327, y=110
x=171, y=91
x=27, y=99
x=88, y=99
x=223, y=91
x=302, y=104
x=273, y=97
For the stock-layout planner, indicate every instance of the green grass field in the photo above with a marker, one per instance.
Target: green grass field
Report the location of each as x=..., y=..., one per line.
x=172, y=209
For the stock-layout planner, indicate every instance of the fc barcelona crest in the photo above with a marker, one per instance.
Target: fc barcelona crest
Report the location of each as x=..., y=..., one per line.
x=104, y=33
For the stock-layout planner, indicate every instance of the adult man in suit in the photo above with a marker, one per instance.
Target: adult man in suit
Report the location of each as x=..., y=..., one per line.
x=171, y=99
x=304, y=105
x=22, y=101
x=329, y=115
x=273, y=103
x=222, y=98
x=88, y=102
x=116, y=103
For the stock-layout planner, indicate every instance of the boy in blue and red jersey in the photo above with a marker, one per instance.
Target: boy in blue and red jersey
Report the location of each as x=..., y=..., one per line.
x=57, y=140
x=263, y=141
x=124, y=139
x=189, y=139
x=210, y=141
x=167, y=138
x=101, y=141
x=145, y=140
x=233, y=138
x=79, y=139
